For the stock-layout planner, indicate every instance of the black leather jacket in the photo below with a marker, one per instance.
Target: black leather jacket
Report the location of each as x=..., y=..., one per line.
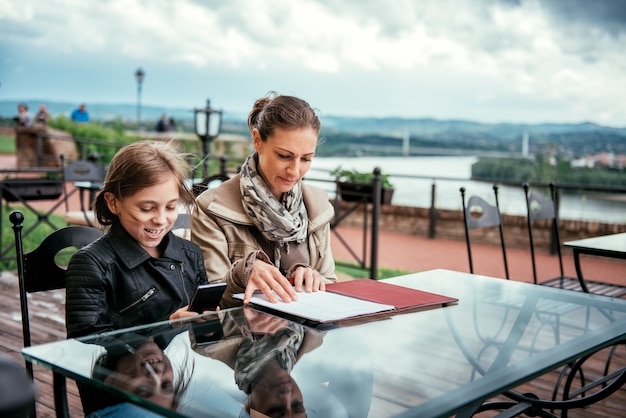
x=113, y=283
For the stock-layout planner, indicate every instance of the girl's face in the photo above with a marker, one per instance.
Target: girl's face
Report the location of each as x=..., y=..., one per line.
x=148, y=373
x=285, y=157
x=148, y=214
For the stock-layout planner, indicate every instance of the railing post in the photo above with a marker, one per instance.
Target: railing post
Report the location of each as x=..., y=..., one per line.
x=377, y=194
x=191, y=161
x=223, y=160
x=555, y=245
x=432, y=213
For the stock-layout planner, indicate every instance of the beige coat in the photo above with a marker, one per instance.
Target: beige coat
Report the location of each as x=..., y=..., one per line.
x=220, y=226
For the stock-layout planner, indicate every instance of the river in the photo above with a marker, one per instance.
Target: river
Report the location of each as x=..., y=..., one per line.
x=449, y=174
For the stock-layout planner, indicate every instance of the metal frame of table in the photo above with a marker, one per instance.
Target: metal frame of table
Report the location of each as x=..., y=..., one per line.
x=612, y=246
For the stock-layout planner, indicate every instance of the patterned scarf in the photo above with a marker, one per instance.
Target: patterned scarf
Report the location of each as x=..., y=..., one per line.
x=280, y=222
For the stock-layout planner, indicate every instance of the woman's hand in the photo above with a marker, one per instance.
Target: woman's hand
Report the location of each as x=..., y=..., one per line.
x=311, y=279
x=268, y=279
x=259, y=323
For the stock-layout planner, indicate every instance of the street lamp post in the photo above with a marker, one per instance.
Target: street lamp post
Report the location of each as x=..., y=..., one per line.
x=207, y=124
x=139, y=74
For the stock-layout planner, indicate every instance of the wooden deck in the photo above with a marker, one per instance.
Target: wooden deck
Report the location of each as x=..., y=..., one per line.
x=48, y=325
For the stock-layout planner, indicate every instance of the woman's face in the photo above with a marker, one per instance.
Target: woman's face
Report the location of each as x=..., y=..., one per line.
x=148, y=214
x=285, y=157
x=276, y=394
x=148, y=374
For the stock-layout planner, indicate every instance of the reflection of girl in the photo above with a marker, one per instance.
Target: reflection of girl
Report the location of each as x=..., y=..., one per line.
x=137, y=365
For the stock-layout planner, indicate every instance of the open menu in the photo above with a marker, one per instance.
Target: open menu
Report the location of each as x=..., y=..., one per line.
x=351, y=299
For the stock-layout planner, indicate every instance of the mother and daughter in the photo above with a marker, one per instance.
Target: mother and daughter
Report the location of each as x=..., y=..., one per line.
x=263, y=229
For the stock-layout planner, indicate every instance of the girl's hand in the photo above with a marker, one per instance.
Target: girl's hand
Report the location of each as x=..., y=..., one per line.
x=184, y=313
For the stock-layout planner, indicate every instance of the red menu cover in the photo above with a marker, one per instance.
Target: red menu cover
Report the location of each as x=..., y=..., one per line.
x=400, y=297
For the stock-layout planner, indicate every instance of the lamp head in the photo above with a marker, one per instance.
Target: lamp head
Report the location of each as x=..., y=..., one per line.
x=140, y=75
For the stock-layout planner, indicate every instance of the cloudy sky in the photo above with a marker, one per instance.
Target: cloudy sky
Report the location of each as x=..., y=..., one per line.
x=526, y=61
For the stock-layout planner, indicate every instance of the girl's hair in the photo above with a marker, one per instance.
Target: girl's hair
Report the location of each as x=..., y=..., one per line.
x=140, y=165
x=278, y=111
x=106, y=363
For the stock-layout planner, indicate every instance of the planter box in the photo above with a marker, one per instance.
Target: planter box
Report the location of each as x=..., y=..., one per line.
x=14, y=190
x=354, y=192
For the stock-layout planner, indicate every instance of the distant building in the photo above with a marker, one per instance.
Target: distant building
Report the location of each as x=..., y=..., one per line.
x=603, y=159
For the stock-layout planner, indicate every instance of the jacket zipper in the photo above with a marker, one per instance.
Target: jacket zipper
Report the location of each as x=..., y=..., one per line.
x=182, y=283
x=144, y=298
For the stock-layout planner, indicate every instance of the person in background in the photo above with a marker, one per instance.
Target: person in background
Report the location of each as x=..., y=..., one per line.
x=42, y=117
x=162, y=125
x=23, y=117
x=172, y=125
x=139, y=272
x=264, y=228
x=80, y=114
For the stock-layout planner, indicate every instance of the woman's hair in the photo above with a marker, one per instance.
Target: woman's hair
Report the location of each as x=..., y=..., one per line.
x=137, y=166
x=278, y=111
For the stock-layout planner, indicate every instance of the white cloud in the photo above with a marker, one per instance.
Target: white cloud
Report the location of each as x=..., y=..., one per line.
x=454, y=58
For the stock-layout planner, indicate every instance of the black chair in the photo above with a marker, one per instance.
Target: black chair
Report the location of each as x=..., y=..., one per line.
x=541, y=208
x=24, y=191
x=17, y=391
x=87, y=177
x=478, y=213
x=209, y=182
x=38, y=270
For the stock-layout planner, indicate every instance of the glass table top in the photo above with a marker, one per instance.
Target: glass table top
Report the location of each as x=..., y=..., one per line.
x=614, y=243
x=428, y=362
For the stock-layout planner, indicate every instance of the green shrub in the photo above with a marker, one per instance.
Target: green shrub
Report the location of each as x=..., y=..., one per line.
x=357, y=272
x=31, y=240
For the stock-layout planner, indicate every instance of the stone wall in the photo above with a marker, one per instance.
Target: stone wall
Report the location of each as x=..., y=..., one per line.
x=53, y=143
x=449, y=225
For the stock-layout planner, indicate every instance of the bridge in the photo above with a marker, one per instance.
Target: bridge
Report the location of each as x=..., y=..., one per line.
x=367, y=149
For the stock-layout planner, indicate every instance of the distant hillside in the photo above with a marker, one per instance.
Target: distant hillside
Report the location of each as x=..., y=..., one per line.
x=103, y=112
x=348, y=135
x=430, y=127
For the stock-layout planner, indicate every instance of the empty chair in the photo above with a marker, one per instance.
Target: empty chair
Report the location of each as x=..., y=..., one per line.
x=538, y=207
x=478, y=213
x=209, y=182
x=87, y=177
x=38, y=271
x=541, y=208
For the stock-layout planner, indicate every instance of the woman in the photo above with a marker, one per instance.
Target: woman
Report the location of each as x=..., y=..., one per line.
x=264, y=228
x=23, y=117
x=139, y=272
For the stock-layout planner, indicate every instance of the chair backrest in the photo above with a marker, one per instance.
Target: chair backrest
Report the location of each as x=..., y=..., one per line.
x=539, y=207
x=478, y=213
x=38, y=270
x=209, y=182
x=81, y=170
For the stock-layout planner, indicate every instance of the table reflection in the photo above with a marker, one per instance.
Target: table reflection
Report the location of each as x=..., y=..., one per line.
x=263, y=351
x=136, y=364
